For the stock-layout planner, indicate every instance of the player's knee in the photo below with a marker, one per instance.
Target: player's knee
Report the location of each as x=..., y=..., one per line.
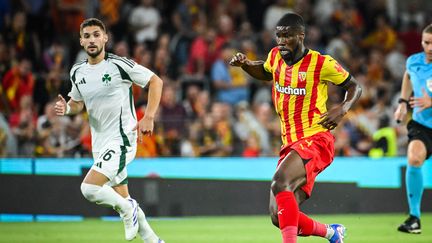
x=274, y=219
x=280, y=185
x=89, y=191
x=415, y=160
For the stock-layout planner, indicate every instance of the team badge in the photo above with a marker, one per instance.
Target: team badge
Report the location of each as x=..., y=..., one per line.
x=302, y=76
x=429, y=84
x=106, y=79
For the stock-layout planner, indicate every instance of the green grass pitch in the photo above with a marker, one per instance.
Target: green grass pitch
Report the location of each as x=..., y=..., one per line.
x=251, y=229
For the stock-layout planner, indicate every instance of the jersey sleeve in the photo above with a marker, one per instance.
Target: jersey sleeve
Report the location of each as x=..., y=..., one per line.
x=408, y=64
x=268, y=62
x=333, y=72
x=75, y=94
x=140, y=75
x=132, y=71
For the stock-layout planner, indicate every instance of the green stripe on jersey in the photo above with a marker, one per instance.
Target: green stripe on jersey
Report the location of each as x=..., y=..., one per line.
x=131, y=102
x=124, y=137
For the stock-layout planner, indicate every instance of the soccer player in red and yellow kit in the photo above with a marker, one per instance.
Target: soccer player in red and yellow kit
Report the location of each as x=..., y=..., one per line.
x=300, y=77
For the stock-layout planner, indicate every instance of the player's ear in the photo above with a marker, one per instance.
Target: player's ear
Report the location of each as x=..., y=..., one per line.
x=81, y=42
x=302, y=36
x=105, y=38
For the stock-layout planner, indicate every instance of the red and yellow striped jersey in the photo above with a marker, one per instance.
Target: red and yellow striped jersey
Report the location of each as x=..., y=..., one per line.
x=300, y=91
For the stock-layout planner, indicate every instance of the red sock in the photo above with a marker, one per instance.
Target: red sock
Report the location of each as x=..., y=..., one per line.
x=308, y=226
x=288, y=215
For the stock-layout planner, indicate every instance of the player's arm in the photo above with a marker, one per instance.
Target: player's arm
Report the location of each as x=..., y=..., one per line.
x=146, y=124
x=353, y=93
x=253, y=68
x=154, y=96
x=353, y=90
x=406, y=91
x=67, y=108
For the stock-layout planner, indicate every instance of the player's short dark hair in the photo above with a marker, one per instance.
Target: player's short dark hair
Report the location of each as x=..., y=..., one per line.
x=428, y=29
x=92, y=22
x=291, y=19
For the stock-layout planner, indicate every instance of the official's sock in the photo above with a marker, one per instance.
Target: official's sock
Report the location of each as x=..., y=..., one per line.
x=105, y=195
x=414, y=185
x=307, y=226
x=288, y=215
x=144, y=230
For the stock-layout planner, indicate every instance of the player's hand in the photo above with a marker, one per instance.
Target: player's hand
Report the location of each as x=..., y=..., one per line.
x=60, y=106
x=331, y=118
x=423, y=102
x=238, y=60
x=400, y=112
x=145, y=127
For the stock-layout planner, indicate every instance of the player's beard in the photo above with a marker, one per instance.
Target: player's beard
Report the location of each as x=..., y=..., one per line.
x=94, y=54
x=289, y=56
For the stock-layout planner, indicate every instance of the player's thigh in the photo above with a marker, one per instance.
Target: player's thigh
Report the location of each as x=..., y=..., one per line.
x=290, y=173
x=95, y=178
x=416, y=152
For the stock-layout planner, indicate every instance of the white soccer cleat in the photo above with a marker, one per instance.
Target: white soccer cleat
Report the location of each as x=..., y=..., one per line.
x=130, y=221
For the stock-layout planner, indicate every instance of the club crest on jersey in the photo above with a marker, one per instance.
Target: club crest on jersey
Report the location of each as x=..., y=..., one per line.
x=290, y=90
x=106, y=79
x=302, y=76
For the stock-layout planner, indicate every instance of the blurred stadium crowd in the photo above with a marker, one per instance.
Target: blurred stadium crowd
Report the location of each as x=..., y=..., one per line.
x=208, y=108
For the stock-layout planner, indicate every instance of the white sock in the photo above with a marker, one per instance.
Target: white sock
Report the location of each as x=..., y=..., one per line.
x=105, y=195
x=145, y=231
x=330, y=232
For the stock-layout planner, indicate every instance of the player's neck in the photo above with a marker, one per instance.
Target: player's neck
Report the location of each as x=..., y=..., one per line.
x=299, y=54
x=97, y=59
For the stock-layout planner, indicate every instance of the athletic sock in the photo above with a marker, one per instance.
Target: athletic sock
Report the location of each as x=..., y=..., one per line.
x=414, y=185
x=288, y=215
x=105, y=195
x=307, y=226
x=144, y=230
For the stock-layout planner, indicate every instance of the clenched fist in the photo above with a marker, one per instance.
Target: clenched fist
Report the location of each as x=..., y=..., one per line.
x=238, y=60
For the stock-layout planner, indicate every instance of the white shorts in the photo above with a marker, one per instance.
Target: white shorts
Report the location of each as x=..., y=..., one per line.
x=112, y=162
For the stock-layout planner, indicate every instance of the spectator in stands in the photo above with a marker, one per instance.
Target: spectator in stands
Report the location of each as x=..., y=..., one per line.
x=172, y=119
x=144, y=22
x=23, y=125
x=9, y=145
x=23, y=41
x=383, y=37
x=230, y=83
x=18, y=82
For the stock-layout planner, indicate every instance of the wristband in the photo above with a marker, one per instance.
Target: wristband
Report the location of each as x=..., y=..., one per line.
x=402, y=100
x=68, y=109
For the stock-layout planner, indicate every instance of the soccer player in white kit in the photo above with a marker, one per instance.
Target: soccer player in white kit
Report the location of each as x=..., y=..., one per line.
x=103, y=83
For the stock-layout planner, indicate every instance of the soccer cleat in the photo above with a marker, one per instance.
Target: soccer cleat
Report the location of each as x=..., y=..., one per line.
x=161, y=241
x=339, y=233
x=130, y=221
x=411, y=225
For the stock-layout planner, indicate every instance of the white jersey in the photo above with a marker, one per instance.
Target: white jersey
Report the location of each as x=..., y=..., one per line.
x=105, y=88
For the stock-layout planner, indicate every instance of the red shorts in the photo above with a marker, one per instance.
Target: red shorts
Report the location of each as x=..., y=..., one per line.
x=317, y=150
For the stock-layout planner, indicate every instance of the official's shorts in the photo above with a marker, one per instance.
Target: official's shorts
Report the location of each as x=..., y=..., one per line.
x=112, y=162
x=317, y=152
x=417, y=131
